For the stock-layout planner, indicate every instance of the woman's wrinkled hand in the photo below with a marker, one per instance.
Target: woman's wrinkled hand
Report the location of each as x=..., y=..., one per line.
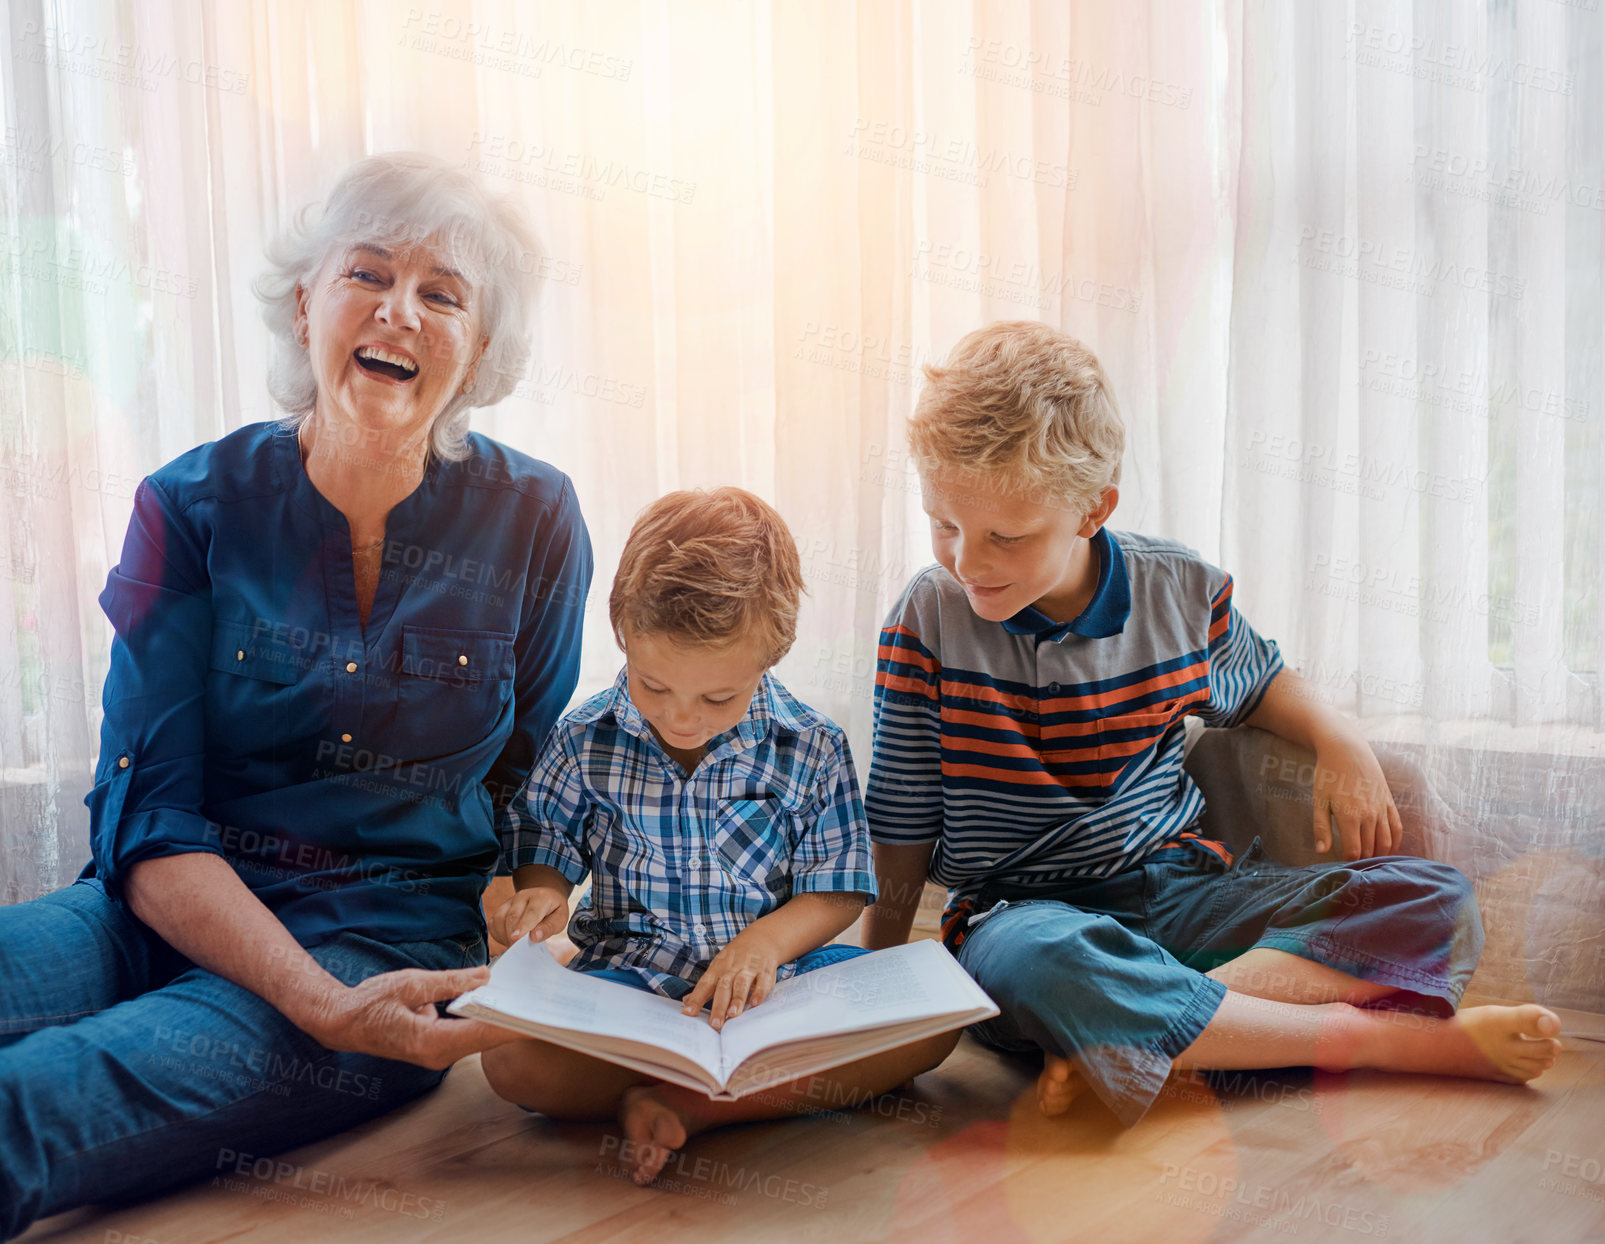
x=393, y=1015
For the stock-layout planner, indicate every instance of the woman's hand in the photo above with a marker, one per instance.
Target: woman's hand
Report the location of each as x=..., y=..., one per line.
x=540, y=911
x=741, y=975
x=393, y=1015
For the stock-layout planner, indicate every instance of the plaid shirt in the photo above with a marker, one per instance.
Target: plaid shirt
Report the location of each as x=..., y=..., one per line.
x=682, y=864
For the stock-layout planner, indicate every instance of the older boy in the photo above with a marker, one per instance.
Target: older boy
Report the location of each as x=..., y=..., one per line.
x=719, y=819
x=1028, y=751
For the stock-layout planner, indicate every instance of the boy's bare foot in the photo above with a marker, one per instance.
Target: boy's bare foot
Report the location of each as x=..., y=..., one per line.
x=1510, y=1043
x=653, y=1130
x=1058, y=1085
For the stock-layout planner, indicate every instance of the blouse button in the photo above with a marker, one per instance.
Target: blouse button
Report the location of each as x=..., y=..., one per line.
x=345, y=738
x=122, y=762
x=351, y=667
x=240, y=655
x=462, y=660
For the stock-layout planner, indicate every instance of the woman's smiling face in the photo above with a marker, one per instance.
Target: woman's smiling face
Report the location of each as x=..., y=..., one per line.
x=392, y=335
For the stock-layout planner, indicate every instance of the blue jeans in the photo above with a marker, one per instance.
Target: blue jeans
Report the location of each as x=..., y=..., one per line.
x=1108, y=971
x=125, y=1069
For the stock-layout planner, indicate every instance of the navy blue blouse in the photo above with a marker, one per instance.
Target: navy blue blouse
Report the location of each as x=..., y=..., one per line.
x=357, y=780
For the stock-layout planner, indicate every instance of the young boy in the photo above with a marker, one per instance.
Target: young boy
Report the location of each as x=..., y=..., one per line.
x=1028, y=755
x=719, y=819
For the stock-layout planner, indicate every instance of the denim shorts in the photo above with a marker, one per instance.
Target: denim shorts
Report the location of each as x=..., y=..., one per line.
x=1109, y=971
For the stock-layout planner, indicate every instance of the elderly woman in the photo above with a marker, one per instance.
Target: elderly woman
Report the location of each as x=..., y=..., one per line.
x=339, y=641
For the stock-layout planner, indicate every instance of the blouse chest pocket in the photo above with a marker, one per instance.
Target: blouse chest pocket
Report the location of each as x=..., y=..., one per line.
x=750, y=841
x=255, y=652
x=253, y=697
x=451, y=685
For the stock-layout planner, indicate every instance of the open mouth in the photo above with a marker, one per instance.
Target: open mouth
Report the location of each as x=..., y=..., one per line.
x=383, y=363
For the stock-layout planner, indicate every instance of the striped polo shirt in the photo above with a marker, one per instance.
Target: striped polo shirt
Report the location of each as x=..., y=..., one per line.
x=1031, y=751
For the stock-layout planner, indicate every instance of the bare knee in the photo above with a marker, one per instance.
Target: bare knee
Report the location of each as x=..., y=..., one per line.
x=932, y=1052
x=513, y=1072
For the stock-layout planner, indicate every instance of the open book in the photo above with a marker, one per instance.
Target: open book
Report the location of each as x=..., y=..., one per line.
x=820, y=1019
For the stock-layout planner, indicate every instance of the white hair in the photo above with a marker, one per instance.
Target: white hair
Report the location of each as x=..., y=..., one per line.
x=397, y=200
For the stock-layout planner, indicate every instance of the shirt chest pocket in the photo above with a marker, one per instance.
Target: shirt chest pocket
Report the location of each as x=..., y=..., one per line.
x=750, y=842
x=252, y=652
x=1125, y=737
x=252, y=688
x=452, y=687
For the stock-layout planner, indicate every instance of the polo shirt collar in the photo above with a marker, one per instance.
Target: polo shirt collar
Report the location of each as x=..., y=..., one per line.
x=1106, y=612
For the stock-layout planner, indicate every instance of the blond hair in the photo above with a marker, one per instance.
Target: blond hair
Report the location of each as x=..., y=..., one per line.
x=1022, y=401
x=709, y=566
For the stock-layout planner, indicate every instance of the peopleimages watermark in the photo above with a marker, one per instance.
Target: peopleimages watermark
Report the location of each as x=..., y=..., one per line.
x=1262, y=1205
x=852, y=566
x=280, y=855
x=1397, y=267
x=259, y=1069
x=708, y=1178
x=1573, y=1174
x=1430, y=59
x=570, y=172
x=127, y=64
x=30, y=150
x=1024, y=282
x=850, y=349
x=1474, y=176
x=1060, y=76
x=1319, y=675
x=1465, y=390
x=1230, y=1089
x=43, y=478
x=76, y=266
x=1317, y=462
x=950, y=157
x=274, y=1179
x=1430, y=596
x=486, y=45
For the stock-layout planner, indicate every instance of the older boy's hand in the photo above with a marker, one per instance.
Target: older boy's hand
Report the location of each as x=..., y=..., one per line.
x=741, y=975
x=1350, y=788
x=540, y=911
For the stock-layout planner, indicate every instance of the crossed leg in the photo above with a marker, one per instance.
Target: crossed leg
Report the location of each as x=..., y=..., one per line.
x=658, y=1118
x=1282, y=1010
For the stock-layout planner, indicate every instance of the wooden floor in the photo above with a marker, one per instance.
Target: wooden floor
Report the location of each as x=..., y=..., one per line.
x=963, y=1158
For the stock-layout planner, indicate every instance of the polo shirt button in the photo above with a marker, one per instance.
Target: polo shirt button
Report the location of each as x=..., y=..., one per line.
x=351, y=667
x=345, y=738
x=462, y=660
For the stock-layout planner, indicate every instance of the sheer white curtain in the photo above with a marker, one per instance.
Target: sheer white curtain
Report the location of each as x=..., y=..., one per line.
x=1343, y=262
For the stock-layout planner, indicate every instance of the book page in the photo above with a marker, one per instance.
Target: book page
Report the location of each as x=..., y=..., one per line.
x=526, y=983
x=780, y=1064
x=894, y=986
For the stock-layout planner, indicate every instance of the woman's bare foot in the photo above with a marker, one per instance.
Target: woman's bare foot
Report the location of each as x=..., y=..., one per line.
x=1058, y=1085
x=1510, y=1043
x=653, y=1130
